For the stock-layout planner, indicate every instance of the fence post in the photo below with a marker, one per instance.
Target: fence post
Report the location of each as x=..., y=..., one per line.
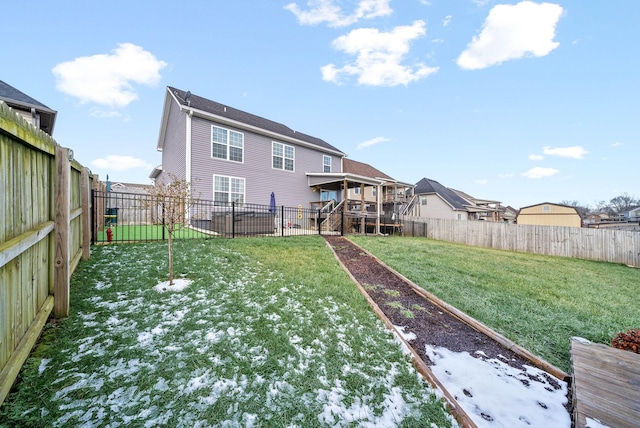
x=86, y=214
x=61, y=236
x=233, y=219
x=282, y=220
x=319, y=221
x=342, y=223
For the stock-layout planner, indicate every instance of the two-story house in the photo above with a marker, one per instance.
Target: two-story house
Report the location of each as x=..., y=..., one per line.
x=229, y=155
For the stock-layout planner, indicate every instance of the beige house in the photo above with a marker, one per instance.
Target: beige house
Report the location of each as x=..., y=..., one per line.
x=549, y=214
x=437, y=201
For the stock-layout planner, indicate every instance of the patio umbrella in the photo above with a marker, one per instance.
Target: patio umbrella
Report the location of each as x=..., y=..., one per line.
x=272, y=203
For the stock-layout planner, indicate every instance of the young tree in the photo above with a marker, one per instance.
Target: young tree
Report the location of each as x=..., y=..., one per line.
x=173, y=201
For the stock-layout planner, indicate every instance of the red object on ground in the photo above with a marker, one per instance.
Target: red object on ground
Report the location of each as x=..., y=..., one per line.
x=109, y=235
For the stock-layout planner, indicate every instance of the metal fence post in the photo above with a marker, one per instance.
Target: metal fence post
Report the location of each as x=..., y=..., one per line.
x=163, y=210
x=282, y=220
x=233, y=220
x=319, y=222
x=342, y=223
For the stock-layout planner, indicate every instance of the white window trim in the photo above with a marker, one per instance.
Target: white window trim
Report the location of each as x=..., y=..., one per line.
x=229, y=131
x=284, y=146
x=325, y=157
x=244, y=187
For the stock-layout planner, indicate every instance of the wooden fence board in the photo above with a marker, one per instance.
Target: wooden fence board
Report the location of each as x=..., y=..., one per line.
x=28, y=181
x=614, y=246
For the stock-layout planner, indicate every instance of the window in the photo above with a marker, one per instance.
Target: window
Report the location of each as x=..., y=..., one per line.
x=326, y=163
x=546, y=208
x=228, y=189
x=459, y=216
x=356, y=191
x=423, y=200
x=227, y=144
x=283, y=156
x=374, y=191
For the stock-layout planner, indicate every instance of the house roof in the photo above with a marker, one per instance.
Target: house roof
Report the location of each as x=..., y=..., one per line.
x=472, y=199
x=549, y=203
x=19, y=100
x=426, y=186
x=210, y=108
x=361, y=168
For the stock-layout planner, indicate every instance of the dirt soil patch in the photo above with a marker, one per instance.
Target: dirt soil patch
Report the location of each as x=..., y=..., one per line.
x=403, y=307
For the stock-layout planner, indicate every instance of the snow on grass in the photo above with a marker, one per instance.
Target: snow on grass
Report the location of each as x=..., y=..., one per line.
x=178, y=285
x=237, y=345
x=495, y=394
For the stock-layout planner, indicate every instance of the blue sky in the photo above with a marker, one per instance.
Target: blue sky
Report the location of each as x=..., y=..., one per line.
x=517, y=101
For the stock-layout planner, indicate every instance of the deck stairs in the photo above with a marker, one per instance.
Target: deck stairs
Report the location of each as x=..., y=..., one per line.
x=332, y=222
x=408, y=208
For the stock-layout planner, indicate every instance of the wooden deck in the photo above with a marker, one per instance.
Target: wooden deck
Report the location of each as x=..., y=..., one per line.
x=606, y=385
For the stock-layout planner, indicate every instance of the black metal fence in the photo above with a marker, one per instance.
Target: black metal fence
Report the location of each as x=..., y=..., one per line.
x=132, y=217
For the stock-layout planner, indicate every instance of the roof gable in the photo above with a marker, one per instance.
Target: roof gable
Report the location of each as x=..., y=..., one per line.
x=431, y=186
x=19, y=100
x=214, y=108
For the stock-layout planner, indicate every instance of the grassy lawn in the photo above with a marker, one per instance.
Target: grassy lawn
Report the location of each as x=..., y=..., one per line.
x=271, y=332
x=537, y=301
x=149, y=232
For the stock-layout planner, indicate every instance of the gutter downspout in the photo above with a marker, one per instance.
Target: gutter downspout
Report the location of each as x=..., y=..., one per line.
x=187, y=152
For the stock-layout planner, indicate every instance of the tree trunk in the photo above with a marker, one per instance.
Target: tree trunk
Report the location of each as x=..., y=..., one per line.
x=170, y=258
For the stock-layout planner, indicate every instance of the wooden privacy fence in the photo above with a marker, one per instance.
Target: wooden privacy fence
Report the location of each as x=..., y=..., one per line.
x=44, y=232
x=615, y=246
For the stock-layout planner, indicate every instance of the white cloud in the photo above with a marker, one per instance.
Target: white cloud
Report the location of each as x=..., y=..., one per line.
x=481, y=181
x=575, y=152
x=512, y=32
x=507, y=175
x=536, y=157
x=120, y=163
x=379, y=56
x=481, y=3
x=104, y=114
x=107, y=78
x=327, y=11
x=617, y=144
x=446, y=21
x=371, y=142
x=540, y=172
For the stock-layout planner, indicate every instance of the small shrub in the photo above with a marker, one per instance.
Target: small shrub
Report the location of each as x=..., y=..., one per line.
x=629, y=341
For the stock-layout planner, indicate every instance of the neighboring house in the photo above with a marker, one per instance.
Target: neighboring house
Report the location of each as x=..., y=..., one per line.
x=481, y=209
x=597, y=217
x=33, y=111
x=437, y=201
x=549, y=214
x=229, y=155
x=633, y=215
x=508, y=214
x=392, y=195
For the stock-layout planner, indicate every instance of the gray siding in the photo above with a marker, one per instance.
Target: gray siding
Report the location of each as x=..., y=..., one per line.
x=290, y=188
x=173, y=152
